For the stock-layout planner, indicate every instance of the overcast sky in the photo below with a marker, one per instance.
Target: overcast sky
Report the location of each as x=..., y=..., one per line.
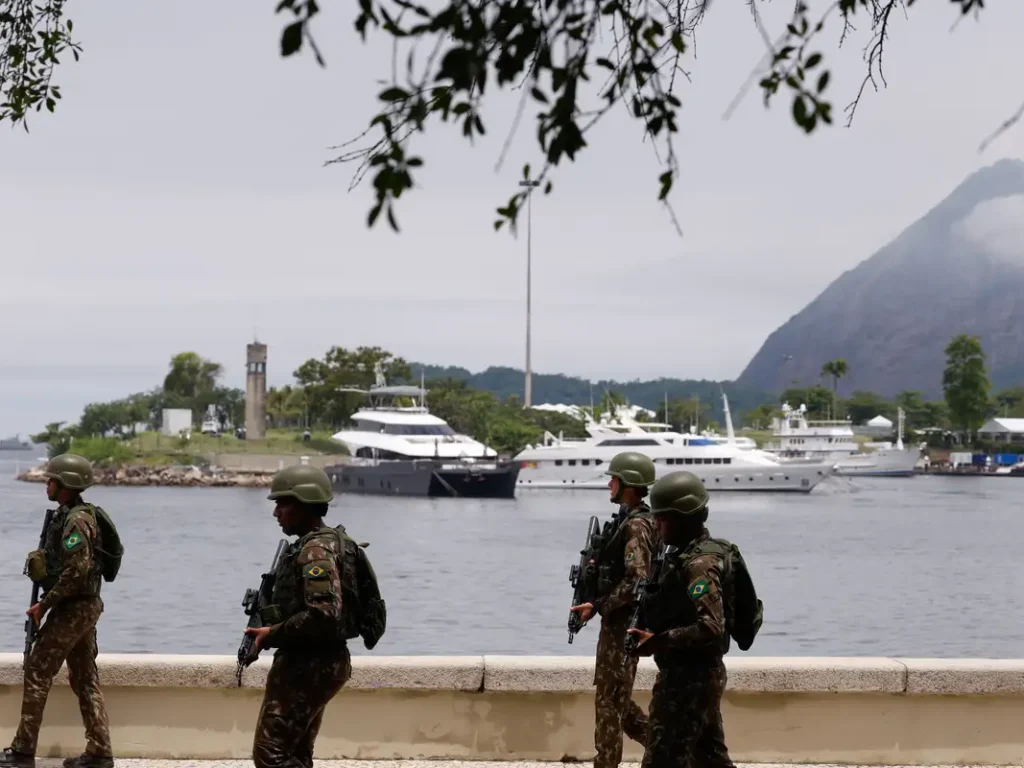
x=177, y=200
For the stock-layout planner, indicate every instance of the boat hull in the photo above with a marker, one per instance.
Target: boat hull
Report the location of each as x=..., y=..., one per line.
x=800, y=478
x=427, y=478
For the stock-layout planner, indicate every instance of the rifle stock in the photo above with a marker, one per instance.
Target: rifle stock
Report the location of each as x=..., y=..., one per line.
x=30, y=626
x=254, y=601
x=641, y=590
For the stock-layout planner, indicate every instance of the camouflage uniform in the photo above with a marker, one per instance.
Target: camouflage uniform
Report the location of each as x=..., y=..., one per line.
x=615, y=710
x=312, y=661
x=687, y=616
x=72, y=597
x=625, y=559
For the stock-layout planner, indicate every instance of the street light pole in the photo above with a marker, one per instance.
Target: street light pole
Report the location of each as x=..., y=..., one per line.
x=528, y=386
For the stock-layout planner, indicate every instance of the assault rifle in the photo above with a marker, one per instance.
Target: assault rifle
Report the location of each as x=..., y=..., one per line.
x=641, y=590
x=30, y=625
x=253, y=603
x=584, y=577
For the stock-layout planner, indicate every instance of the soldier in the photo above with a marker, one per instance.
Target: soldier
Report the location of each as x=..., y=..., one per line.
x=70, y=573
x=312, y=661
x=688, y=634
x=624, y=560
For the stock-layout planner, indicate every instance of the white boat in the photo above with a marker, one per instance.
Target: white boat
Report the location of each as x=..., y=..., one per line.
x=400, y=448
x=14, y=444
x=560, y=462
x=833, y=441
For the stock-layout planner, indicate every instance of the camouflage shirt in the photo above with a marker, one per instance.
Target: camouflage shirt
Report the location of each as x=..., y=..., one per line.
x=308, y=588
x=70, y=543
x=637, y=531
x=690, y=609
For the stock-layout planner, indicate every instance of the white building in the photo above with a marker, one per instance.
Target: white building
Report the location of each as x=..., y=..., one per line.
x=1003, y=430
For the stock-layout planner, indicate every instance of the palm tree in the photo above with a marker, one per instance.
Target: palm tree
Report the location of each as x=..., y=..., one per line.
x=837, y=369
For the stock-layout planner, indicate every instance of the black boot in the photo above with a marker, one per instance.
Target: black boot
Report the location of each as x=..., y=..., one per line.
x=85, y=760
x=12, y=758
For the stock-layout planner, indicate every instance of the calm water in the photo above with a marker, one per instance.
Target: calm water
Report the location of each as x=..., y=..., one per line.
x=926, y=566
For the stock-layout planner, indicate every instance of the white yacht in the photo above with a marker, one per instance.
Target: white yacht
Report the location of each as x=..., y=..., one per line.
x=400, y=448
x=561, y=462
x=833, y=441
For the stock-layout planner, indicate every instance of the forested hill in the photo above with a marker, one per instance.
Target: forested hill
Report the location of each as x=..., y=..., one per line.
x=503, y=381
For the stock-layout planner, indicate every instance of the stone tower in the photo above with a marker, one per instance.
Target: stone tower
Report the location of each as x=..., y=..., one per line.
x=255, y=390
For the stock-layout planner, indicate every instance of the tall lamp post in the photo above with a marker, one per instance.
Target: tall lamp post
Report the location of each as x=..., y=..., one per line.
x=528, y=387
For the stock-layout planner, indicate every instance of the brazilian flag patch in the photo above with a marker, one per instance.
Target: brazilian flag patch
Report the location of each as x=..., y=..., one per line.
x=630, y=556
x=73, y=541
x=699, y=588
x=314, y=571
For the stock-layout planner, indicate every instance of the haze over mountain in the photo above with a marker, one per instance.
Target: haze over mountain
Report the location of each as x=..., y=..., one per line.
x=957, y=269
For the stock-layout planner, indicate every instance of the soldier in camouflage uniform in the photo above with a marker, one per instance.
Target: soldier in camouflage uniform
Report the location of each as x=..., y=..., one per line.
x=312, y=661
x=625, y=559
x=69, y=571
x=688, y=635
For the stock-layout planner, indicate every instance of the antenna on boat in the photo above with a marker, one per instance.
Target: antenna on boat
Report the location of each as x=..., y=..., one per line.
x=730, y=433
x=423, y=392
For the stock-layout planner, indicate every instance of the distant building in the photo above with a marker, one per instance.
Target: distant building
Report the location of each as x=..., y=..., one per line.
x=174, y=420
x=1003, y=430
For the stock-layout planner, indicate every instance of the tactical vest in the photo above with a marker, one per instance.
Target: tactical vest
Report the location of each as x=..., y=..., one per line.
x=287, y=598
x=55, y=559
x=670, y=606
x=612, y=568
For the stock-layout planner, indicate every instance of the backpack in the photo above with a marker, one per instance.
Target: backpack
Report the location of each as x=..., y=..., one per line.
x=110, y=550
x=363, y=609
x=744, y=612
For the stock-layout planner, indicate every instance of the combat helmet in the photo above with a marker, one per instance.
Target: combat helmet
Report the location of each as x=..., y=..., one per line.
x=679, y=493
x=310, y=485
x=72, y=471
x=632, y=468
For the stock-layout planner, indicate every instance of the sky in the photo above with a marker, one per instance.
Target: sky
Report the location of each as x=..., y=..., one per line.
x=179, y=200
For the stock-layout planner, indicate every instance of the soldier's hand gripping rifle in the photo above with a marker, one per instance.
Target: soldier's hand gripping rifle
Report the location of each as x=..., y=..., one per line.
x=583, y=577
x=254, y=602
x=30, y=625
x=641, y=590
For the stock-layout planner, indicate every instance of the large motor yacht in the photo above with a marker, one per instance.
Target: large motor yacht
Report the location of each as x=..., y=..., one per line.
x=722, y=465
x=399, y=448
x=833, y=441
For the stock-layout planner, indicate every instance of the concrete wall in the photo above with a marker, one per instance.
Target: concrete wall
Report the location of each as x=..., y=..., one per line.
x=260, y=462
x=782, y=710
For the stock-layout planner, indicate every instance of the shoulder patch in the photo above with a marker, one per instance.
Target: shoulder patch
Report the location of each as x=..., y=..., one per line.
x=698, y=589
x=318, y=569
x=630, y=555
x=73, y=542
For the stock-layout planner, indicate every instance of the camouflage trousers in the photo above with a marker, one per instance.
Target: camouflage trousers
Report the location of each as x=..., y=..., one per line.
x=686, y=718
x=299, y=687
x=615, y=711
x=68, y=634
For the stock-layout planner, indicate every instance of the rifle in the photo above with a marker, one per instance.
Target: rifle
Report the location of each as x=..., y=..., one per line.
x=641, y=590
x=30, y=625
x=253, y=603
x=582, y=577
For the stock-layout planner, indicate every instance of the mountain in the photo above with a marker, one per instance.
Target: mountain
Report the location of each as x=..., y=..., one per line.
x=503, y=381
x=957, y=269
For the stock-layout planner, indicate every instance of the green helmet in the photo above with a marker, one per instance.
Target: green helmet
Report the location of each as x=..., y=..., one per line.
x=680, y=493
x=632, y=468
x=70, y=470
x=309, y=485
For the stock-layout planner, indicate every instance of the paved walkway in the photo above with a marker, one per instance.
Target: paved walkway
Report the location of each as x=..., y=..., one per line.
x=119, y=763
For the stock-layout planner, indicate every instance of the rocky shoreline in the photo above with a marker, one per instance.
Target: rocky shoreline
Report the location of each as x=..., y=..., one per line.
x=173, y=476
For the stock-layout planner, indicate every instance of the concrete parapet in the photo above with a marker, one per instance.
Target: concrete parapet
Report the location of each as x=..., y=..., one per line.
x=777, y=710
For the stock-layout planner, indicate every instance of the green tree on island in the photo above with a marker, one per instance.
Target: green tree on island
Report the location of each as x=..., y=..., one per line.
x=836, y=369
x=629, y=53
x=965, y=383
